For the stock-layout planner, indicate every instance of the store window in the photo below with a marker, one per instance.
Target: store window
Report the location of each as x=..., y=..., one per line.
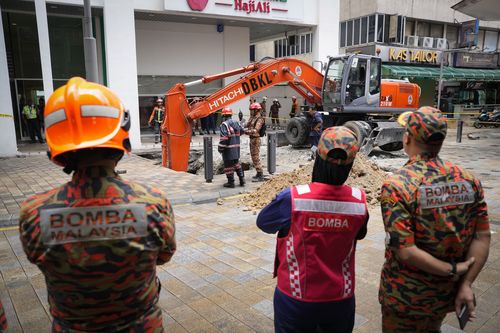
x=66, y=46
x=153, y=86
x=293, y=45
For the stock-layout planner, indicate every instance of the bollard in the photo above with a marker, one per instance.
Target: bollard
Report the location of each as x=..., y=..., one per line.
x=460, y=125
x=271, y=152
x=208, y=158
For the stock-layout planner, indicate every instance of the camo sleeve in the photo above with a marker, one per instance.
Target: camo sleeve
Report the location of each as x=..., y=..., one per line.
x=480, y=210
x=3, y=319
x=396, y=215
x=166, y=226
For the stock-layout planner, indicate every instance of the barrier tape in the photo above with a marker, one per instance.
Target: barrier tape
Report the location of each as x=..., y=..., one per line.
x=3, y=115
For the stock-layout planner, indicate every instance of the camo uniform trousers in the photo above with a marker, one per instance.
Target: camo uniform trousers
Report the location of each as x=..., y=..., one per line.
x=255, y=153
x=394, y=322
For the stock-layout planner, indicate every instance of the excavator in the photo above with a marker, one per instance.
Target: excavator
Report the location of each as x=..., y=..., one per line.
x=349, y=93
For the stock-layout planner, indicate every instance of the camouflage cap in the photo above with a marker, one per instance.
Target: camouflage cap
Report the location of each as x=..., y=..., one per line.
x=427, y=125
x=338, y=137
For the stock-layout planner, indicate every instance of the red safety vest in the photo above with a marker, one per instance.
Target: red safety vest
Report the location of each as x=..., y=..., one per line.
x=315, y=261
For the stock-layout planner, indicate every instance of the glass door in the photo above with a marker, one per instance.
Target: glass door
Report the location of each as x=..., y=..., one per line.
x=27, y=91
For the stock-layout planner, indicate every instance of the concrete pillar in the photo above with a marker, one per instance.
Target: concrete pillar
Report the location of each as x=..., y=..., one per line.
x=7, y=127
x=121, y=59
x=44, y=45
x=326, y=34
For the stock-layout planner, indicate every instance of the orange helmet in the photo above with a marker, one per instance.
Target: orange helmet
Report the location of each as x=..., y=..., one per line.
x=255, y=106
x=227, y=112
x=81, y=115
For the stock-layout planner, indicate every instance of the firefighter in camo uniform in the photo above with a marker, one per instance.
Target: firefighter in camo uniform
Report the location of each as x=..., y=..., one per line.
x=318, y=225
x=98, y=238
x=254, y=125
x=437, y=232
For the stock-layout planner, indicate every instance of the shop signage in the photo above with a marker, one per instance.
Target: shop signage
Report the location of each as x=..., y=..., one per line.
x=197, y=4
x=476, y=60
x=409, y=55
x=275, y=10
x=253, y=6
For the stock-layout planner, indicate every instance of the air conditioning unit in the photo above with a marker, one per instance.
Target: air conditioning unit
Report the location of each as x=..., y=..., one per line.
x=440, y=43
x=426, y=42
x=412, y=41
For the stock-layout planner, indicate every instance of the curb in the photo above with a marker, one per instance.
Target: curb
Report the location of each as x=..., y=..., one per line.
x=9, y=220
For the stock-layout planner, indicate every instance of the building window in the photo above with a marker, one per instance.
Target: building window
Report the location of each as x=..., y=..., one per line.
x=423, y=29
x=371, y=29
x=490, y=41
x=349, y=33
x=293, y=45
x=436, y=31
x=356, y=31
x=364, y=30
x=380, y=29
x=252, y=52
x=452, y=36
x=343, y=29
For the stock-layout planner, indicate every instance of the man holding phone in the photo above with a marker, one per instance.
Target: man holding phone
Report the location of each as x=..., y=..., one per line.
x=437, y=232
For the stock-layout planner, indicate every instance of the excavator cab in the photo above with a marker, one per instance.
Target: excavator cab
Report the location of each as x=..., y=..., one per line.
x=352, y=83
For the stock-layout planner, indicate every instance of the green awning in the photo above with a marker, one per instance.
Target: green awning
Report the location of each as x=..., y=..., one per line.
x=449, y=73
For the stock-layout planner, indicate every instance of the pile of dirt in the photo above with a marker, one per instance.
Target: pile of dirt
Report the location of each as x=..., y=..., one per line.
x=364, y=174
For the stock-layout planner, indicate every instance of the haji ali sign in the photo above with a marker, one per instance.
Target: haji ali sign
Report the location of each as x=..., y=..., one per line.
x=245, y=6
x=410, y=55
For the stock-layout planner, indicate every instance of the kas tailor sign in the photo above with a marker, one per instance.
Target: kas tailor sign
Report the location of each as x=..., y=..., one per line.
x=285, y=10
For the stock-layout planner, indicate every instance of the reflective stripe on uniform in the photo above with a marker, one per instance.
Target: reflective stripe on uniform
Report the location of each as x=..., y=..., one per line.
x=55, y=117
x=99, y=111
x=327, y=206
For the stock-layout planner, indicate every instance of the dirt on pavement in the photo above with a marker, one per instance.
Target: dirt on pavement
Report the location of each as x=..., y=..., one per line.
x=365, y=174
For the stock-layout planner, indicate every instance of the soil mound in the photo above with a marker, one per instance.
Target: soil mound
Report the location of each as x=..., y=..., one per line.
x=364, y=174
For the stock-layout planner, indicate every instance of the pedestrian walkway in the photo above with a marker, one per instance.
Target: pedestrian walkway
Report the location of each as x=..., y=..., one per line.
x=23, y=176
x=220, y=279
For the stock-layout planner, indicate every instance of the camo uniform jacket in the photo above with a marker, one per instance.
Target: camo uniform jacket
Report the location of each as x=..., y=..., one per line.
x=97, y=240
x=438, y=207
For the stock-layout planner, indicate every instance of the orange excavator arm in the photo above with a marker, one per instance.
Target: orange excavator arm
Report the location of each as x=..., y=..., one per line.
x=176, y=126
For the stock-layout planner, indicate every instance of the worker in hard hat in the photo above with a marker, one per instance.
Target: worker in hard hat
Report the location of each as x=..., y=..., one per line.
x=255, y=127
x=317, y=226
x=156, y=118
x=98, y=238
x=229, y=147
x=295, y=107
x=274, y=113
x=263, y=103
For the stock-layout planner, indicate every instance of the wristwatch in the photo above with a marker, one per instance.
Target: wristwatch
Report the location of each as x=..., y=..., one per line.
x=453, y=273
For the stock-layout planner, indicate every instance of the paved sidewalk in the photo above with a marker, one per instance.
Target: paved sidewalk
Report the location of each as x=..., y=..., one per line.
x=21, y=177
x=220, y=279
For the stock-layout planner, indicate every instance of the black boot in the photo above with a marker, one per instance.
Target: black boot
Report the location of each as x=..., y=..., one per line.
x=259, y=177
x=230, y=181
x=241, y=176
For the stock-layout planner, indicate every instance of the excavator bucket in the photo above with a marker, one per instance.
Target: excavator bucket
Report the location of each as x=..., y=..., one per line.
x=176, y=130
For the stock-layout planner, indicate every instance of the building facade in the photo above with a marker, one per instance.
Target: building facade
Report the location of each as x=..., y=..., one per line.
x=145, y=47
x=413, y=38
